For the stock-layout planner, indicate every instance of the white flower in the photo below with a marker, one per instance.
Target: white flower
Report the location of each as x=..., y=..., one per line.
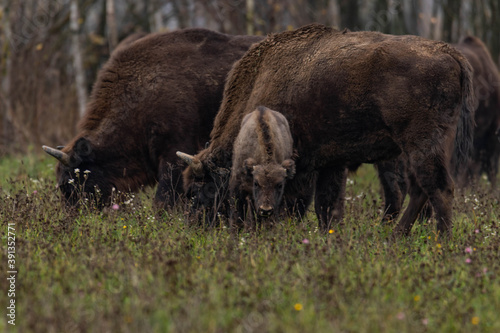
x=86, y=172
x=71, y=181
x=77, y=170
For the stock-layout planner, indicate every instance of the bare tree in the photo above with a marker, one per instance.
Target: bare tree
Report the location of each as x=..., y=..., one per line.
x=77, y=58
x=111, y=24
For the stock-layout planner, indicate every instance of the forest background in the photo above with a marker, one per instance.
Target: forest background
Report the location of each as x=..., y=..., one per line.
x=51, y=50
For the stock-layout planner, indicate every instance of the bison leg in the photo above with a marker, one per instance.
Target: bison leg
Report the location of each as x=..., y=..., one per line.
x=492, y=167
x=432, y=179
x=417, y=200
x=169, y=186
x=241, y=210
x=392, y=175
x=329, y=196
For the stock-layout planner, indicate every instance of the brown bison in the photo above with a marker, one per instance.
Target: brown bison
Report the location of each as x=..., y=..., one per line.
x=261, y=163
x=155, y=95
x=349, y=97
x=486, y=152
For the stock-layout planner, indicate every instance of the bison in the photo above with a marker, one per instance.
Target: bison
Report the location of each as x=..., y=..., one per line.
x=155, y=95
x=261, y=164
x=486, y=152
x=349, y=97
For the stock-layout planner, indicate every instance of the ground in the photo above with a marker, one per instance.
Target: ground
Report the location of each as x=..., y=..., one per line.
x=131, y=270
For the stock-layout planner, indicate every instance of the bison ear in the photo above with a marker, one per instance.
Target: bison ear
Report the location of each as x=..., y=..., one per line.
x=289, y=166
x=249, y=165
x=82, y=147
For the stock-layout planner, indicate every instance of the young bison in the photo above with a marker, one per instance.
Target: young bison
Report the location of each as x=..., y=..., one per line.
x=261, y=164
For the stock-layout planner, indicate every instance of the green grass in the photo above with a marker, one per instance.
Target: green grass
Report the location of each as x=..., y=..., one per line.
x=131, y=271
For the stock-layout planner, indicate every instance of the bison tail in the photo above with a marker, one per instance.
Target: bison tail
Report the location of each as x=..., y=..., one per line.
x=465, y=127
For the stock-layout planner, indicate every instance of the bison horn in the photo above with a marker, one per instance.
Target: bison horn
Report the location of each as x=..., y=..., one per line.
x=193, y=162
x=61, y=156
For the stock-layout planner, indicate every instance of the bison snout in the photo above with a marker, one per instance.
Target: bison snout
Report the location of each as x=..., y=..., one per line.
x=266, y=211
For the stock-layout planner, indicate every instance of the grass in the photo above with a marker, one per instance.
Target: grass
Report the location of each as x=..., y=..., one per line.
x=131, y=271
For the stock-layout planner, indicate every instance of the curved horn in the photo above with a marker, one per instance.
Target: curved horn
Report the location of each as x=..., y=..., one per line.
x=62, y=157
x=193, y=162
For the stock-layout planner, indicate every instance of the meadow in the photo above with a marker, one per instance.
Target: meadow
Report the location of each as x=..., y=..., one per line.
x=132, y=270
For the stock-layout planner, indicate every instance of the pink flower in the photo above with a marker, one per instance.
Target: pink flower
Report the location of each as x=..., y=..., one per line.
x=115, y=207
x=425, y=321
x=468, y=250
x=305, y=241
x=468, y=260
x=35, y=192
x=477, y=231
x=400, y=316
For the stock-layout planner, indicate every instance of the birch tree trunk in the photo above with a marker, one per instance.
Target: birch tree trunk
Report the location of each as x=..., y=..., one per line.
x=77, y=58
x=250, y=17
x=111, y=24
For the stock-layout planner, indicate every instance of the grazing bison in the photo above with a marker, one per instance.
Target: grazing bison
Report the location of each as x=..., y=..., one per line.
x=486, y=152
x=349, y=97
x=486, y=149
x=261, y=163
x=155, y=95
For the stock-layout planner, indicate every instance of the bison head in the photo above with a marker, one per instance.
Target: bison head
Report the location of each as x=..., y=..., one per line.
x=269, y=183
x=206, y=185
x=78, y=174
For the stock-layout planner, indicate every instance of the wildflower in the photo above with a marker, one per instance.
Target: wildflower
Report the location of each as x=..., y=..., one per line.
x=124, y=227
x=476, y=231
x=416, y=298
x=115, y=207
x=77, y=170
x=86, y=172
x=468, y=250
x=297, y=307
x=305, y=241
x=425, y=321
x=331, y=231
x=71, y=181
x=438, y=246
x=401, y=316
x=468, y=260
x=35, y=192
x=475, y=320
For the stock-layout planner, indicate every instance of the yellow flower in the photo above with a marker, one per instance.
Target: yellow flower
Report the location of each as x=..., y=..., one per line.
x=297, y=307
x=475, y=320
x=124, y=227
x=416, y=298
x=331, y=231
x=438, y=246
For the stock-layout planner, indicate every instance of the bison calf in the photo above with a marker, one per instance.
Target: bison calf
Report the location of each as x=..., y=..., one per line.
x=261, y=164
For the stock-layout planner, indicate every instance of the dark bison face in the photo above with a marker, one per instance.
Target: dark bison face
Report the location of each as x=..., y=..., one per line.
x=206, y=187
x=79, y=177
x=268, y=184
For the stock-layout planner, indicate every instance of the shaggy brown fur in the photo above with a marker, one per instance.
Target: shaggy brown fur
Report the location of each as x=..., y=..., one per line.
x=486, y=151
x=487, y=90
x=352, y=97
x=261, y=164
x=155, y=95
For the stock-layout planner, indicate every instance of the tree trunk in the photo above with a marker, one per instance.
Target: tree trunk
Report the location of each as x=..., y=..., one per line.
x=77, y=58
x=111, y=24
x=250, y=17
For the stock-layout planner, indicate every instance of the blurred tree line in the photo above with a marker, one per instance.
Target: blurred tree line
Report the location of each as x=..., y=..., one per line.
x=51, y=50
